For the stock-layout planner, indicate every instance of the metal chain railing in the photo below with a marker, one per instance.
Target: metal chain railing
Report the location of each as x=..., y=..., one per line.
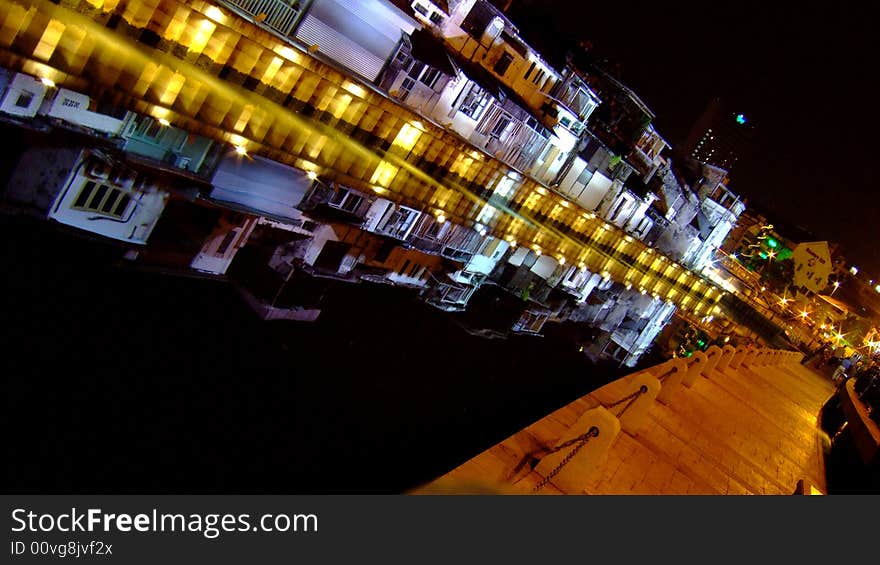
x=667, y=373
x=630, y=397
x=581, y=441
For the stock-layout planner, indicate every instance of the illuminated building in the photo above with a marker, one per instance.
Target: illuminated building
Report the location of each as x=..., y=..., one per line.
x=720, y=137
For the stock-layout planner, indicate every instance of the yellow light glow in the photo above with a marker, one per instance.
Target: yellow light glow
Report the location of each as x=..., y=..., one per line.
x=164, y=122
x=48, y=82
x=241, y=149
x=215, y=14
x=312, y=175
x=384, y=174
x=289, y=54
x=202, y=36
x=441, y=218
x=355, y=89
x=561, y=260
x=52, y=33
x=407, y=137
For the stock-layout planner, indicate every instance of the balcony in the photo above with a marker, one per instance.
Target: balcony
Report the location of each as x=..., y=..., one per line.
x=278, y=15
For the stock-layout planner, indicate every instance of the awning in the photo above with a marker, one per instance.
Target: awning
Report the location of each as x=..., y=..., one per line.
x=431, y=51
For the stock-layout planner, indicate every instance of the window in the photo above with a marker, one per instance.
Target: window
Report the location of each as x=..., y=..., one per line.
x=415, y=69
x=420, y=9
x=528, y=72
x=474, y=102
x=399, y=221
x=501, y=126
x=539, y=128
x=94, y=197
x=149, y=127
x=433, y=231
x=503, y=63
x=24, y=99
x=347, y=200
x=430, y=76
x=436, y=18
x=227, y=241
x=405, y=88
x=538, y=76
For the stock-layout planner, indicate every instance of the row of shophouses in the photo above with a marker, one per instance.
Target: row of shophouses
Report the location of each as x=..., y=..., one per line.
x=176, y=198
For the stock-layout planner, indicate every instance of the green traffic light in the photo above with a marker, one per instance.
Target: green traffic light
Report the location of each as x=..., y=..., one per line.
x=740, y=119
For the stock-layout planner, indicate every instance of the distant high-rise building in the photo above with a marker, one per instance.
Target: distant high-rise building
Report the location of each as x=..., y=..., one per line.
x=720, y=137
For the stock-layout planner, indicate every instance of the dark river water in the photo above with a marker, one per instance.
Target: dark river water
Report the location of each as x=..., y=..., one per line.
x=120, y=380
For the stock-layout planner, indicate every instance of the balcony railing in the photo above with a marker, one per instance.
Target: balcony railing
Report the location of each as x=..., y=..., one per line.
x=280, y=15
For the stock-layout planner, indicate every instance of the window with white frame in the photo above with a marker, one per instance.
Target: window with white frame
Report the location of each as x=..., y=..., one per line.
x=474, y=102
x=502, y=125
x=103, y=199
x=398, y=222
x=430, y=76
x=345, y=199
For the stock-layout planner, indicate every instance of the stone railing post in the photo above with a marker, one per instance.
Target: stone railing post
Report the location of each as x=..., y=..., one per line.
x=633, y=413
x=670, y=382
x=574, y=475
x=695, y=367
x=713, y=355
x=749, y=359
x=738, y=357
x=727, y=353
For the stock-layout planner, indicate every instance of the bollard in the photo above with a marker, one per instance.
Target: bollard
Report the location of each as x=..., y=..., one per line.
x=713, y=355
x=698, y=361
x=727, y=353
x=761, y=358
x=633, y=413
x=749, y=359
x=573, y=476
x=671, y=382
x=738, y=357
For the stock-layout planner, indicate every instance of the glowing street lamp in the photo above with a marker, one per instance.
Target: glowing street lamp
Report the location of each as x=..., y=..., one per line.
x=836, y=286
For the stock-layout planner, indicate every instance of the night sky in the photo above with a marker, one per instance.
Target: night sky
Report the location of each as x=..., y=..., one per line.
x=802, y=73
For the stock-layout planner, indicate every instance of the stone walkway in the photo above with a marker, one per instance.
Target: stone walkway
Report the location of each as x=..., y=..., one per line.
x=750, y=430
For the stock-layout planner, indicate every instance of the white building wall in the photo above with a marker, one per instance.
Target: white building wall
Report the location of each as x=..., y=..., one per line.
x=323, y=234
x=73, y=107
x=76, y=206
x=23, y=96
x=220, y=249
x=545, y=266
x=595, y=191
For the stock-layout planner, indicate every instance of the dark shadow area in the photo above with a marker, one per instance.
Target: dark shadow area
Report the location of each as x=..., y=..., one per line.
x=121, y=380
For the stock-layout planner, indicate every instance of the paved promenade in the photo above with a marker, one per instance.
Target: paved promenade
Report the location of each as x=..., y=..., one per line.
x=749, y=430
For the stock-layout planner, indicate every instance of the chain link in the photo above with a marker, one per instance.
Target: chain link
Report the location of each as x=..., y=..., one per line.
x=667, y=373
x=581, y=441
x=631, y=398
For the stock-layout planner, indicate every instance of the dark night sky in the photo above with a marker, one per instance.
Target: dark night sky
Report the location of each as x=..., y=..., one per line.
x=803, y=73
